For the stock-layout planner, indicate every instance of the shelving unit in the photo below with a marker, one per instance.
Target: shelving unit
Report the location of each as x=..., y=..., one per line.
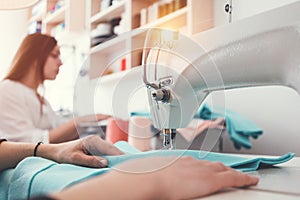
x=37, y=17
x=110, y=13
x=57, y=17
x=177, y=18
x=194, y=17
x=70, y=16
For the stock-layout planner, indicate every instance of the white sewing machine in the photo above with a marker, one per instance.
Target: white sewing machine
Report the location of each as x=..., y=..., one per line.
x=180, y=72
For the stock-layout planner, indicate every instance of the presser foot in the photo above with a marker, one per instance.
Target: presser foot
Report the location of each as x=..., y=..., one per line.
x=169, y=136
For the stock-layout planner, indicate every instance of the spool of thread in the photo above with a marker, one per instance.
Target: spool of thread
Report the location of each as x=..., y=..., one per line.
x=116, y=130
x=123, y=64
x=139, y=133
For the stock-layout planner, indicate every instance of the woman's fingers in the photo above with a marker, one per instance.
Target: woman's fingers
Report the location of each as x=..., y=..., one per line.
x=97, y=146
x=233, y=177
x=236, y=179
x=110, y=149
x=88, y=160
x=217, y=166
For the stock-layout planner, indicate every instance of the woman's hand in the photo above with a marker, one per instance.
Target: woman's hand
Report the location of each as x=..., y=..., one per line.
x=199, y=178
x=183, y=177
x=85, y=151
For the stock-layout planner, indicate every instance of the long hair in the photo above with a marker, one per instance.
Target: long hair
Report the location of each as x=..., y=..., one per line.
x=32, y=53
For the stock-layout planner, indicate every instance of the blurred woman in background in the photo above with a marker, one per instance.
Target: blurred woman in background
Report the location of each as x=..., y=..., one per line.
x=25, y=114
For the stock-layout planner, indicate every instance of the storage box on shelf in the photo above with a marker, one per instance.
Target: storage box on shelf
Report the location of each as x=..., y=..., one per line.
x=185, y=16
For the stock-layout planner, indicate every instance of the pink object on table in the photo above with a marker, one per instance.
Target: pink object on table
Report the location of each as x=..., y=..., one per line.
x=116, y=130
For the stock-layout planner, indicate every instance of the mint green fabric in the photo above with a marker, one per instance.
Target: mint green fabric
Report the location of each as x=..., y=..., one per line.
x=37, y=176
x=4, y=183
x=240, y=128
x=237, y=162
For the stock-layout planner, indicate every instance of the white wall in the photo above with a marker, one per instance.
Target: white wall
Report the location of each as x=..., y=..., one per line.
x=13, y=29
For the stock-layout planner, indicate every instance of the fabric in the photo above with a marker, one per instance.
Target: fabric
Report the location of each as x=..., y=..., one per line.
x=239, y=127
x=199, y=126
x=20, y=116
x=37, y=176
x=237, y=162
x=5, y=177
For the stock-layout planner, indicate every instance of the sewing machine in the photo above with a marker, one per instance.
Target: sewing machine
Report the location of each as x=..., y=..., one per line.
x=181, y=71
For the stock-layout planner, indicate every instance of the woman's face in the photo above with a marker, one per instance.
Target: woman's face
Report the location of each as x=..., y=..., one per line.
x=53, y=62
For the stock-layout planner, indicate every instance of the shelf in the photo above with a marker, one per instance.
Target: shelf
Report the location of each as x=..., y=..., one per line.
x=112, y=45
x=185, y=20
x=110, y=13
x=38, y=17
x=56, y=17
x=115, y=43
x=172, y=20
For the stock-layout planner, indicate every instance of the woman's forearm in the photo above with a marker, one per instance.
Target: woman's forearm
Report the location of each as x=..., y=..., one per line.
x=68, y=131
x=115, y=185
x=11, y=153
x=63, y=133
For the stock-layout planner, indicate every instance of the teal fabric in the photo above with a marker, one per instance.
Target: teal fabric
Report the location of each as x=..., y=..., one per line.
x=140, y=114
x=4, y=183
x=237, y=162
x=239, y=127
x=36, y=176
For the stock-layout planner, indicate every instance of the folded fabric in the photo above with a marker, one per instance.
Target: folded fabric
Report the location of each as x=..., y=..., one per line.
x=4, y=183
x=37, y=176
x=199, y=126
x=237, y=162
x=239, y=127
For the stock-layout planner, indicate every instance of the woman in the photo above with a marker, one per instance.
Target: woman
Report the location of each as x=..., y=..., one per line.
x=186, y=178
x=25, y=114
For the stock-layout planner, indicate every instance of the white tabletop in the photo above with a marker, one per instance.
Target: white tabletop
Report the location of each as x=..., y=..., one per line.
x=280, y=182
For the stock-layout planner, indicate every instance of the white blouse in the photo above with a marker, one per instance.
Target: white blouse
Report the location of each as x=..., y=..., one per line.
x=21, y=119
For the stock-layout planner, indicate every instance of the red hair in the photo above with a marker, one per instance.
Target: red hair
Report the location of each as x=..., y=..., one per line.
x=32, y=53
